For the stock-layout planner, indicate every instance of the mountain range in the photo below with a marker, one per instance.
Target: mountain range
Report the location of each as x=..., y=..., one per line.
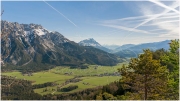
x=32, y=47
x=126, y=50
x=111, y=47
x=93, y=43
x=133, y=50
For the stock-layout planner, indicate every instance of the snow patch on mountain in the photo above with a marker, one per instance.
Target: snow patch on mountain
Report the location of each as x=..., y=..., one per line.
x=39, y=32
x=89, y=42
x=93, y=43
x=26, y=33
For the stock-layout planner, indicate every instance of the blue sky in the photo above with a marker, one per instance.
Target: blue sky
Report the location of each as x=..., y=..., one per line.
x=120, y=22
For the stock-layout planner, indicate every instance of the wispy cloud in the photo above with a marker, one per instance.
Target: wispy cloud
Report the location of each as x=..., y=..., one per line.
x=175, y=5
x=160, y=21
x=133, y=21
x=127, y=29
x=60, y=13
x=166, y=7
x=169, y=23
x=142, y=17
x=171, y=34
x=173, y=21
x=159, y=29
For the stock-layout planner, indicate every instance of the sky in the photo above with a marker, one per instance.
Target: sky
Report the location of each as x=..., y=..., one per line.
x=109, y=23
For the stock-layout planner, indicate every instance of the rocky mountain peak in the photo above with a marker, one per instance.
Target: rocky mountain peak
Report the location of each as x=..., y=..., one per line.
x=93, y=43
x=89, y=42
x=32, y=46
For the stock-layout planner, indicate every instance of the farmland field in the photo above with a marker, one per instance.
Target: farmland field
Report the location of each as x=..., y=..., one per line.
x=92, y=70
x=92, y=82
x=39, y=77
x=89, y=78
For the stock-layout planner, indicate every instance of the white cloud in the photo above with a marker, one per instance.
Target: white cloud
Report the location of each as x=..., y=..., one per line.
x=126, y=28
x=156, y=20
x=139, y=18
x=163, y=22
x=169, y=23
x=158, y=29
x=166, y=7
x=175, y=5
x=171, y=34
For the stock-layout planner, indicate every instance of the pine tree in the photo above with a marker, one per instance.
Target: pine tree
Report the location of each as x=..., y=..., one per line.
x=145, y=77
x=172, y=61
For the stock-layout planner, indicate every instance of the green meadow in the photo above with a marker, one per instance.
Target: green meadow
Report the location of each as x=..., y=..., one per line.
x=92, y=70
x=92, y=82
x=61, y=74
x=39, y=77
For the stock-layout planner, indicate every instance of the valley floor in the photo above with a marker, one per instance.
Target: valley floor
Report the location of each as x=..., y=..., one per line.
x=63, y=77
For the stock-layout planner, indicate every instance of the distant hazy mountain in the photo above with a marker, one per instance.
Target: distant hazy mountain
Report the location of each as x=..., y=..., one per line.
x=152, y=46
x=125, y=46
x=111, y=47
x=31, y=46
x=93, y=43
x=134, y=50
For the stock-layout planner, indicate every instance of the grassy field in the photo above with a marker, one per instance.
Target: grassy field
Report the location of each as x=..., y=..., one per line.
x=92, y=70
x=92, y=82
x=40, y=77
x=58, y=75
